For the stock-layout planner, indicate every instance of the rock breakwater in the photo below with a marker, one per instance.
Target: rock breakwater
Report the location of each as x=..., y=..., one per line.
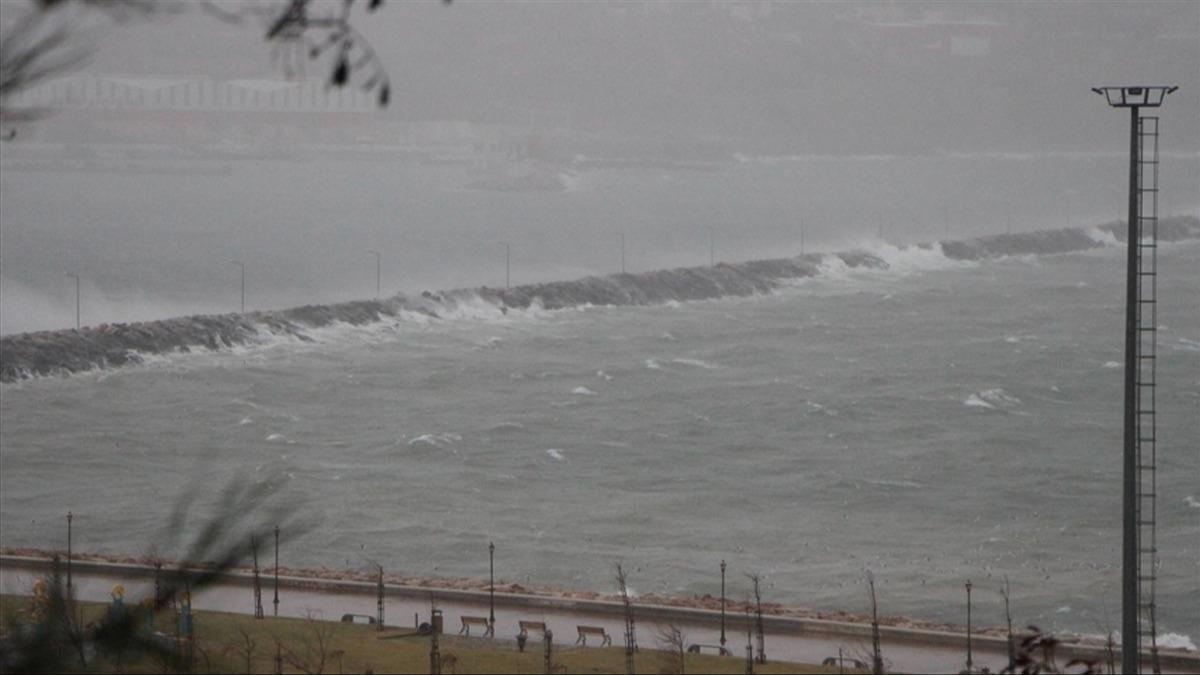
x=30, y=355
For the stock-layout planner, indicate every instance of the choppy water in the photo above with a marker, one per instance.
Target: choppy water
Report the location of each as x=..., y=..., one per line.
x=935, y=422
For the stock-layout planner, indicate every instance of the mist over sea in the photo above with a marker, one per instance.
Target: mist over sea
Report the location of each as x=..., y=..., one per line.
x=937, y=421
x=152, y=232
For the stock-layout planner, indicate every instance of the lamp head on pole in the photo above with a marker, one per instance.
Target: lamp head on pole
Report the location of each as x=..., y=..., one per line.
x=1130, y=97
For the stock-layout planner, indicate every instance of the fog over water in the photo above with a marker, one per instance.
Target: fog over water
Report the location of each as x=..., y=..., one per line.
x=937, y=420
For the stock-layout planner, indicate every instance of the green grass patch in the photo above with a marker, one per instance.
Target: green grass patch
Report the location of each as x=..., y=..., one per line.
x=237, y=643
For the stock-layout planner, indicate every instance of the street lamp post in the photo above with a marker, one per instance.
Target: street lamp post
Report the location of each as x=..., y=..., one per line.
x=276, y=600
x=722, y=603
x=622, y=253
x=242, y=265
x=970, y=664
x=378, y=267
x=76, y=278
x=712, y=257
x=69, y=517
x=507, y=263
x=492, y=588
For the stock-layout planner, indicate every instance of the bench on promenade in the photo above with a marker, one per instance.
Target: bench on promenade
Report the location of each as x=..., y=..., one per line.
x=358, y=618
x=704, y=649
x=527, y=626
x=468, y=621
x=584, y=631
x=842, y=661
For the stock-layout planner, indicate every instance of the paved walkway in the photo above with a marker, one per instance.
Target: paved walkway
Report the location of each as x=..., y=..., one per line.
x=786, y=640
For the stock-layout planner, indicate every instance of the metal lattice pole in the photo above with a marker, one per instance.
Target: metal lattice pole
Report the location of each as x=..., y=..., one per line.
x=1134, y=98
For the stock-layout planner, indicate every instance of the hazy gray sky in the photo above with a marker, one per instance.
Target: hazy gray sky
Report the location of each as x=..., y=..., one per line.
x=943, y=120
x=787, y=76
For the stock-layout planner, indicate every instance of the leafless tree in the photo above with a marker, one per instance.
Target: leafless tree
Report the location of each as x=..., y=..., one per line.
x=38, y=45
x=1004, y=592
x=315, y=651
x=674, y=643
x=749, y=645
x=1036, y=655
x=219, y=544
x=630, y=629
x=246, y=649
x=876, y=654
x=758, y=617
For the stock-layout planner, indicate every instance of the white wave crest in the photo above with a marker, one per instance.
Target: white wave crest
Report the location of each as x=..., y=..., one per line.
x=436, y=439
x=583, y=391
x=908, y=259
x=1101, y=236
x=1176, y=641
x=555, y=453
x=695, y=362
x=992, y=399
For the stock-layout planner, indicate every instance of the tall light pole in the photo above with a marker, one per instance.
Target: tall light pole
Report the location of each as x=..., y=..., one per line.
x=242, y=265
x=722, y=603
x=378, y=267
x=712, y=258
x=76, y=278
x=492, y=588
x=802, y=237
x=1133, y=98
x=970, y=664
x=507, y=264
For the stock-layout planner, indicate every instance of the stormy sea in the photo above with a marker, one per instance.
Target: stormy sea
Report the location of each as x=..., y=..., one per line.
x=933, y=412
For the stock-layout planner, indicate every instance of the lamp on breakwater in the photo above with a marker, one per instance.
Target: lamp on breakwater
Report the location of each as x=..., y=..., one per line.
x=1071, y=194
x=507, y=264
x=242, y=265
x=622, y=253
x=378, y=267
x=76, y=278
x=1138, y=557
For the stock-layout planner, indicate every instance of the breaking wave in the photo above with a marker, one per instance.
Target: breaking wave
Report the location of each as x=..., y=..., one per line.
x=29, y=355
